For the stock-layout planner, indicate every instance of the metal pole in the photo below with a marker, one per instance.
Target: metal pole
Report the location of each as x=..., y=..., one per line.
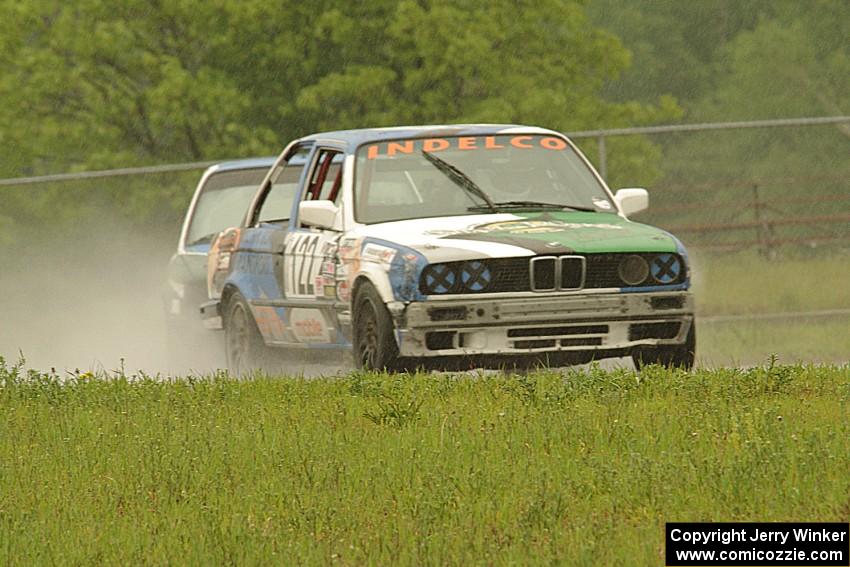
x=757, y=213
x=603, y=159
x=778, y=123
x=146, y=170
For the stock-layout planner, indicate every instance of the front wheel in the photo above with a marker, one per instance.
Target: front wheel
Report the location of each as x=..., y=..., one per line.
x=244, y=346
x=672, y=356
x=375, y=347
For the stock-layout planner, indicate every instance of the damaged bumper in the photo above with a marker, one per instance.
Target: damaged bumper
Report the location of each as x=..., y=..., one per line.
x=527, y=325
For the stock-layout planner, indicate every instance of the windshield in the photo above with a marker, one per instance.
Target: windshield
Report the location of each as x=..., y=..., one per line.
x=223, y=202
x=408, y=179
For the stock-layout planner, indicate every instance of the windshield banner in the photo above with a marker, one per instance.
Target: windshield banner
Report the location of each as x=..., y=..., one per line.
x=433, y=145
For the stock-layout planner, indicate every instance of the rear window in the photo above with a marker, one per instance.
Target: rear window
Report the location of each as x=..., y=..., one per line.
x=223, y=202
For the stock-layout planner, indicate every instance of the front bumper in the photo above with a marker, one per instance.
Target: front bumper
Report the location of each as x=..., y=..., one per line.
x=585, y=322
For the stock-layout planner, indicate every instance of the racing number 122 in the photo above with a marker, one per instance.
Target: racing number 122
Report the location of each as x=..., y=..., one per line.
x=301, y=264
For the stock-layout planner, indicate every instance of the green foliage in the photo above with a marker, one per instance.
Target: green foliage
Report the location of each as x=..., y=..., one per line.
x=727, y=60
x=190, y=80
x=582, y=467
x=803, y=70
x=95, y=84
x=675, y=44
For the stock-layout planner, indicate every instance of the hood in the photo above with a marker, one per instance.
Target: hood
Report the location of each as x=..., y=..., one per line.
x=521, y=234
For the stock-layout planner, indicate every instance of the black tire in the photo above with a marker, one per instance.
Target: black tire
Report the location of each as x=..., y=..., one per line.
x=673, y=356
x=244, y=346
x=375, y=347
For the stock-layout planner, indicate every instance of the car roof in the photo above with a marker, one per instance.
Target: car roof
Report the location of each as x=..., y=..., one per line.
x=250, y=163
x=365, y=135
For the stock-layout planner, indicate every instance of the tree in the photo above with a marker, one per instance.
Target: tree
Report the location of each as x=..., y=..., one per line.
x=533, y=62
x=794, y=64
x=97, y=84
x=675, y=44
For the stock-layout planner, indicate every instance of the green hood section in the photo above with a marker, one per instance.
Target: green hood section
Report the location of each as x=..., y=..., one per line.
x=578, y=232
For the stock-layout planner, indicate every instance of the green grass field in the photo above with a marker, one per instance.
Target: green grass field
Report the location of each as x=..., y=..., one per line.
x=582, y=467
x=746, y=283
x=746, y=343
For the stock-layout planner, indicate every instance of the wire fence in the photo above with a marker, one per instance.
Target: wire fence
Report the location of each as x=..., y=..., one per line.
x=765, y=212
x=602, y=135
x=735, y=213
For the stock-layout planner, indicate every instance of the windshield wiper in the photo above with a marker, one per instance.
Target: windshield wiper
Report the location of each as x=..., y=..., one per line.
x=531, y=205
x=460, y=179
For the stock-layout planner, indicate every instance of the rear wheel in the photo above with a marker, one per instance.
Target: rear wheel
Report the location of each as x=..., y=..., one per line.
x=244, y=345
x=375, y=347
x=671, y=356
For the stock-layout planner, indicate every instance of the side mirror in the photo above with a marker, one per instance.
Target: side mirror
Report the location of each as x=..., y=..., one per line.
x=632, y=201
x=320, y=214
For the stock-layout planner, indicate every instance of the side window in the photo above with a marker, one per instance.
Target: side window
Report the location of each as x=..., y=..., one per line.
x=326, y=179
x=277, y=204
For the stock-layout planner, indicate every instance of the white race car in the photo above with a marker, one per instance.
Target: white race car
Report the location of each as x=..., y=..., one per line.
x=220, y=199
x=448, y=246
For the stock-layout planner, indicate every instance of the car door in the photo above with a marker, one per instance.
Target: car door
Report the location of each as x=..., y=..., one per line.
x=309, y=247
x=263, y=241
x=311, y=257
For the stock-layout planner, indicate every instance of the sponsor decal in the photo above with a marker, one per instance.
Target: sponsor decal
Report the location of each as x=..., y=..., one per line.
x=349, y=257
x=269, y=323
x=328, y=269
x=378, y=253
x=309, y=326
x=343, y=291
x=522, y=227
x=325, y=285
x=434, y=145
x=348, y=243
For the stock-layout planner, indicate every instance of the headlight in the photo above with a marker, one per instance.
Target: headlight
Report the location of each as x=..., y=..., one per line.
x=666, y=268
x=475, y=275
x=633, y=270
x=439, y=279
